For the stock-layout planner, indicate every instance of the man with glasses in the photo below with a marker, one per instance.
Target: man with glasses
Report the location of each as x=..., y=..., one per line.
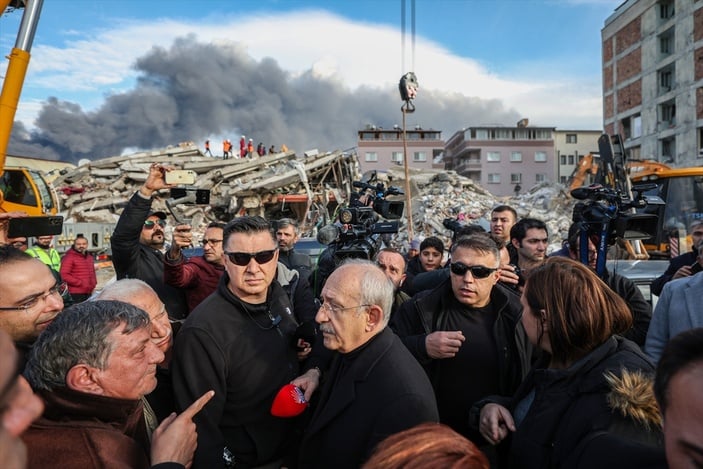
x=374, y=387
x=199, y=275
x=467, y=333
x=138, y=243
x=241, y=342
x=30, y=297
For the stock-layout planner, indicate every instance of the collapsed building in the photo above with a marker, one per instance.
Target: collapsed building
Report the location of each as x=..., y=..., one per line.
x=308, y=187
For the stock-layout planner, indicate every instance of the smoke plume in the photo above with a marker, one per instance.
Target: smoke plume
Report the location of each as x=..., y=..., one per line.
x=194, y=91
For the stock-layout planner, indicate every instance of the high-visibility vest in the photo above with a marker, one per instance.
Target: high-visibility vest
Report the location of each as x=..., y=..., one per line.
x=52, y=258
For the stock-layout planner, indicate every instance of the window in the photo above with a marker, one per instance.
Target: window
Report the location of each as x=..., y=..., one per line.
x=571, y=159
x=516, y=156
x=668, y=149
x=371, y=156
x=419, y=156
x=540, y=156
x=562, y=159
x=666, y=78
x=563, y=179
x=700, y=142
x=515, y=178
x=667, y=113
x=493, y=156
x=571, y=138
x=482, y=134
x=632, y=126
x=540, y=177
x=493, y=178
x=368, y=135
x=666, y=9
x=397, y=157
x=666, y=42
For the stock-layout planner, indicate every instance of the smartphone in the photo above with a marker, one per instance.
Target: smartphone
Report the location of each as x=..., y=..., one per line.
x=34, y=226
x=180, y=176
x=695, y=268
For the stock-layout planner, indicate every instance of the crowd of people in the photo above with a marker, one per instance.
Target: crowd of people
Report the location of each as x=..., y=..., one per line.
x=487, y=353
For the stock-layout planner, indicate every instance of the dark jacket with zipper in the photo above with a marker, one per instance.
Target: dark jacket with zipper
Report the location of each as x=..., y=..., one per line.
x=245, y=353
x=426, y=313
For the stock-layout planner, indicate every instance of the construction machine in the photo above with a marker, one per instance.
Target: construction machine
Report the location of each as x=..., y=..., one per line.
x=680, y=188
x=21, y=188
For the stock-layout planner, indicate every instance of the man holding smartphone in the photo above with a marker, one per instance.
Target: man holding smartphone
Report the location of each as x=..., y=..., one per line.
x=138, y=243
x=684, y=265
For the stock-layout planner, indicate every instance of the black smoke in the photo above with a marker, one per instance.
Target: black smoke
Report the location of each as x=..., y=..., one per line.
x=195, y=90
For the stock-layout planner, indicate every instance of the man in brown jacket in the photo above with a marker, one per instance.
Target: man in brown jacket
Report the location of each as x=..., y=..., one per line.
x=91, y=367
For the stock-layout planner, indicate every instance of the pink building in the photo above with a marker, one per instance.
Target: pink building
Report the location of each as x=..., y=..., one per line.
x=503, y=160
x=381, y=149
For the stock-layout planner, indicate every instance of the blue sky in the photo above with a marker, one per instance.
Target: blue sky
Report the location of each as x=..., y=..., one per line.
x=539, y=58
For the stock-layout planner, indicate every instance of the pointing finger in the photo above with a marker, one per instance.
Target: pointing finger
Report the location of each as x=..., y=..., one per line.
x=197, y=406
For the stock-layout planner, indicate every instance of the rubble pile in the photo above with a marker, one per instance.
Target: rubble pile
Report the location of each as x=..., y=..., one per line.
x=438, y=195
x=98, y=190
x=306, y=187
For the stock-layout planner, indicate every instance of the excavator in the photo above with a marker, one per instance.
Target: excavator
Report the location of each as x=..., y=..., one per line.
x=681, y=188
x=21, y=188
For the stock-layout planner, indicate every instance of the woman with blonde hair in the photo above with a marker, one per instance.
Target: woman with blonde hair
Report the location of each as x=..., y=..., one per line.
x=588, y=401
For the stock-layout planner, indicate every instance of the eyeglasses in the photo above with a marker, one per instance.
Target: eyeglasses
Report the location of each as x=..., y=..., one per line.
x=477, y=271
x=58, y=289
x=334, y=310
x=149, y=224
x=243, y=258
x=211, y=242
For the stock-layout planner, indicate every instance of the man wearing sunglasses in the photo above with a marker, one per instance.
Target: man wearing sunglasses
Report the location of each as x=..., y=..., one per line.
x=138, y=243
x=199, y=275
x=30, y=297
x=241, y=342
x=467, y=333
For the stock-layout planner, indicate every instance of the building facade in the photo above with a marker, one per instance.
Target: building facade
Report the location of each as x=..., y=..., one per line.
x=503, y=160
x=653, y=79
x=382, y=149
x=569, y=147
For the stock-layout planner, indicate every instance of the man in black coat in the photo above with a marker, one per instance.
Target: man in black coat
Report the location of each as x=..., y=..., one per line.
x=683, y=265
x=138, y=244
x=374, y=387
x=467, y=333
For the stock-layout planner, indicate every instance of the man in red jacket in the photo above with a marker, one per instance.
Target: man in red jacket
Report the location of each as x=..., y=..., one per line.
x=199, y=275
x=78, y=270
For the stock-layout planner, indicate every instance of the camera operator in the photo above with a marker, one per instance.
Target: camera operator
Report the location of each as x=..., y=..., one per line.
x=684, y=265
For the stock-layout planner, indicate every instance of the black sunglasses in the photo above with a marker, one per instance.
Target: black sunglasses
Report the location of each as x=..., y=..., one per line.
x=243, y=258
x=477, y=271
x=149, y=224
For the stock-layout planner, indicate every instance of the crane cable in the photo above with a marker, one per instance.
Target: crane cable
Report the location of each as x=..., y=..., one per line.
x=407, y=107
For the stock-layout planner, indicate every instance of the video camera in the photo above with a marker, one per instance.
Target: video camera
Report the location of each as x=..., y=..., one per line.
x=368, y=217
x=607, y=205
x=608, y=214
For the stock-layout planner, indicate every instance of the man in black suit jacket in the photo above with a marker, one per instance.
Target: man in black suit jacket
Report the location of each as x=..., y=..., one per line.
x=682, y=266
x=374, y=387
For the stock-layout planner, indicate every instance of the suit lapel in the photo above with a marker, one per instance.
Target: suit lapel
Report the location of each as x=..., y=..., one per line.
x=692, y=300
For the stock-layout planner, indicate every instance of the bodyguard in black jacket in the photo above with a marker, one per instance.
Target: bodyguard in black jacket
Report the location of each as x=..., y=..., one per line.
x=467, y=333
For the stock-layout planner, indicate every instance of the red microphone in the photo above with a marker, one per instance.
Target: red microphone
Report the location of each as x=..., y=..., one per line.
x=289, y=402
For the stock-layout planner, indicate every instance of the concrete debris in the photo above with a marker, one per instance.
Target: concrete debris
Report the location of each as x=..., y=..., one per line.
x=274, y=186
x=307, y=187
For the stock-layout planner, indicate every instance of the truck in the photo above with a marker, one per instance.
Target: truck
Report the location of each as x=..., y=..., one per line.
x=21, y=188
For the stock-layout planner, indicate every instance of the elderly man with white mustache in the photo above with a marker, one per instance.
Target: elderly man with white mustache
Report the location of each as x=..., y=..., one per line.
x=467, y=333
x=374, y=387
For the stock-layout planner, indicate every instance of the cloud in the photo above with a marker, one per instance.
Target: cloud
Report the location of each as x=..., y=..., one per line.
x=225, y=76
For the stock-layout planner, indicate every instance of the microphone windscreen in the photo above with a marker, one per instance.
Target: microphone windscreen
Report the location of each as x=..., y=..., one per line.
x=289, y=402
